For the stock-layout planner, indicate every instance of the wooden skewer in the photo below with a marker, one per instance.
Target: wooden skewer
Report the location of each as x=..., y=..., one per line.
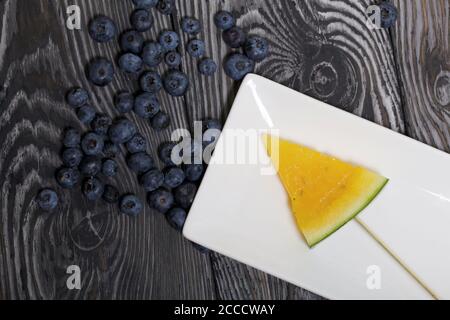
x=397, y=258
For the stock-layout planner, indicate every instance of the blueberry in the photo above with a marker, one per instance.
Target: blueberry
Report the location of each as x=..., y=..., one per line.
x=109, y=168
x=100, y=72
x=190, y=25
x=176, y=83
x=208, y=124
x=224, y=20
x=71, y=157
x=86, y=114
x=47, y=199
x=146, y=105
x=234, y=37
x=176, y=217
x=124, y=102
x=169, y=40
x=110, y=194
x=92, y=144
x=77, y=97
x=173, y=59
x=102, y=29
x=200, y=248
x=388, y=14
x=196, y=48
x=160, y=121
x=121, y=131
x=90, y=166
x=207, y=67
x=71, y=137
x=161, y=200
x=101, y=124
x=152, y=54
x=165, y=152
x=174, y=177
x=93, y=188
x=131, y=41
x=256, y=48
x=141, y=20
x=110, y=149
x=68, y=177
x=193, y=172
x=140, y=162
x=166, y=6
x=211, y=131
x=150, y=82
x=237, y=66
x=130, y=205
x=137, y=144
x=152, y=180
x=145, y=3
x=130, y=63
x=185, y=194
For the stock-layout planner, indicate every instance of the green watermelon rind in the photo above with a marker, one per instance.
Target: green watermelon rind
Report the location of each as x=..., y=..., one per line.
x=363, y=206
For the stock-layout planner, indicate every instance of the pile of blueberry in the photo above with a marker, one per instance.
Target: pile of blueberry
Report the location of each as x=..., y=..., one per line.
x=255, y=48
x=90, y=158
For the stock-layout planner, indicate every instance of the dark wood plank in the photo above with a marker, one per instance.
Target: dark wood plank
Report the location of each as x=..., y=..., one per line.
x=421, y=39
x=321, y=48
x=120, y=258
x=208, y=96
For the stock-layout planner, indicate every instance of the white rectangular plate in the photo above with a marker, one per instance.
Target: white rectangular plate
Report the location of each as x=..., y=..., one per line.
x=244, y=214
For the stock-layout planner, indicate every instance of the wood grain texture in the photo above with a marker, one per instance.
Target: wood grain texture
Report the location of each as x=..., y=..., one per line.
x=422, y=39
x=321, y=48
x=120, y=258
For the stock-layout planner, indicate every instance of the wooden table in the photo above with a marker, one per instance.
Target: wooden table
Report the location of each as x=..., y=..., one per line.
x=399, y=78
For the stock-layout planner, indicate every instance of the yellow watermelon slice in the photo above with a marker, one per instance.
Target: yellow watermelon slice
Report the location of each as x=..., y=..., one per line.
x=325, y=192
